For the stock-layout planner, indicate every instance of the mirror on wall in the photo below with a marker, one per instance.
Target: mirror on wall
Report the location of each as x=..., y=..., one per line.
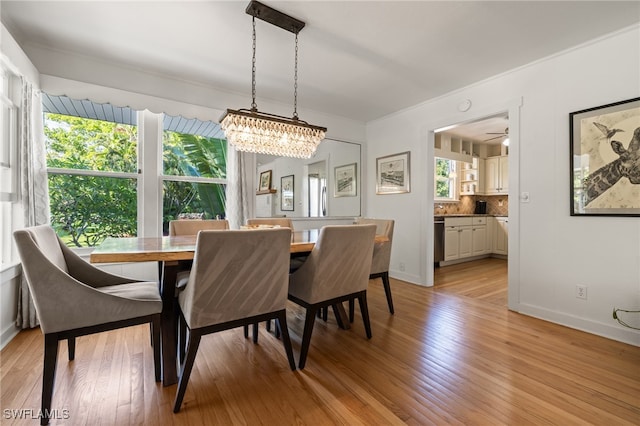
x=315, y=187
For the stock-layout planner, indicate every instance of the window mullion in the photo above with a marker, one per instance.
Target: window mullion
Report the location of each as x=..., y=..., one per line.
x=150, y=187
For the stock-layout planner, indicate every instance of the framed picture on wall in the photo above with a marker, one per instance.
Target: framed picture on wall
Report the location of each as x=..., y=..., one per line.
x=393, y=174
x=605, y=160
x=345, y=181
x=265, y=181
x=286, y=193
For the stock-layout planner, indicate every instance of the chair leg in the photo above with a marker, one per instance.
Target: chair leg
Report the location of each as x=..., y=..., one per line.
x=364, y=310
x=246, y=331
x=48, y=374
x=352, y=309
x=157, y=360
x=325, y=313
x=269, y=325
x=187, y=366
x=310, y=319
x=277, y=331
x=387, y=290
x=71, y=343
x=182, y=336
x=255, y=332
x=281, y=327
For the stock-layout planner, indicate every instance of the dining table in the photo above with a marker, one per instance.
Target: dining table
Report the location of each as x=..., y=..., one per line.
x=174, y=254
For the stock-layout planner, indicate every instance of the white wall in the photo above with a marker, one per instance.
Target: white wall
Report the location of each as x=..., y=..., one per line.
x=552, y=252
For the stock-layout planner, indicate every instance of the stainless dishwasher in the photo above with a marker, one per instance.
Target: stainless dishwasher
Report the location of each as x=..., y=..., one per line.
x=438, y=240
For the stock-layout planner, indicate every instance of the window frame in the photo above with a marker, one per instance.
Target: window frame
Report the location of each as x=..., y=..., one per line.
x=10, y=91
x=452, y=179
x=150, y=175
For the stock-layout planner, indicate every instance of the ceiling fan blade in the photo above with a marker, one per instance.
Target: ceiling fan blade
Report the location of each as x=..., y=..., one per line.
x=497, y=137
x=495, y=133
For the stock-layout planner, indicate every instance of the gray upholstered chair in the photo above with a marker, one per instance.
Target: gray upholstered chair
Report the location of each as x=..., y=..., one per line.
x=284, y=222
x=74, y=298
x=192, y=226
x=381, y=258
x=336, y=270
x=239, y=277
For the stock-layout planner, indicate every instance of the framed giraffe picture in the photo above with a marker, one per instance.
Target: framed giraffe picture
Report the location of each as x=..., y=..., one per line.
x=605, y=160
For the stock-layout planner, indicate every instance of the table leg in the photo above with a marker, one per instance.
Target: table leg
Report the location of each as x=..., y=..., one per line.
x=169, y=322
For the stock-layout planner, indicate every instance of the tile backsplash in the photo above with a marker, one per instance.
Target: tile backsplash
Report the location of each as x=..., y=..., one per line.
x=497, y=205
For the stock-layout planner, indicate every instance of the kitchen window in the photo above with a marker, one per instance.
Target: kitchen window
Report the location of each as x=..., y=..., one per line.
x=446, y=180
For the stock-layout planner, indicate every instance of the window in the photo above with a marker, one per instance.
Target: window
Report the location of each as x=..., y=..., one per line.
x=445, y=180
x=92, y=166
x=9, y=93
x=194, y=170
x=106, y=170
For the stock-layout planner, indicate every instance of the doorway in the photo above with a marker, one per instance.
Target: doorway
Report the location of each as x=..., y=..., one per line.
x=471, y=255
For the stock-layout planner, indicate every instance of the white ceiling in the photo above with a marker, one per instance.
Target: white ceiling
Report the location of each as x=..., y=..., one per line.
x=358, y=59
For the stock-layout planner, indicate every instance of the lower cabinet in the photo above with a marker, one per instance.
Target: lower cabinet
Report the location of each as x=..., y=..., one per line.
x=501, y=236
x=457, y=242
x=464, y=237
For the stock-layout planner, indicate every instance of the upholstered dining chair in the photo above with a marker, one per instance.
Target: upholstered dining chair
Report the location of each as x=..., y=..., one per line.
x=239, y=277
x=381, y=259
x=192, y=226
x=74, y=298
x=284, y=222
x=336, y=270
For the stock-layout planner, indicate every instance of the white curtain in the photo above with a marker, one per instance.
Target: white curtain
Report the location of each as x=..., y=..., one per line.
x=240, y=187
x=34, y=191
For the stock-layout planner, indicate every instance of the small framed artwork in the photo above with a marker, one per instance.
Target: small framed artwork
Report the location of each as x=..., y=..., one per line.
x=345, y=181
x=265, y=181
x=605, y=160
x=393, y=174
x=286, y=196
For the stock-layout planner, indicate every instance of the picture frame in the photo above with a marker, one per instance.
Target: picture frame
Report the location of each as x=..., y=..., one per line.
x=393, y=174
x=265, y=181
x=287, y=193
x=346, y=180
x=605, y=160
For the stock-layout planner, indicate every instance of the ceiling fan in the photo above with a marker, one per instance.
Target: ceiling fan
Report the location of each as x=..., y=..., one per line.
x=501, y=135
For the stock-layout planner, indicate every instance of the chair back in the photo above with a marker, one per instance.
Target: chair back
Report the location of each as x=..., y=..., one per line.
x=192, y=226
x=236, y=274
x=338, y=265
x=381, y=251
x=284, y=222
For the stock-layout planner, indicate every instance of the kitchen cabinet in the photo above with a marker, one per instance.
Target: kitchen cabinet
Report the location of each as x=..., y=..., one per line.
x=497, y=175
x=479, y=236
x=457, y=242
x=464, y=237
x=501, y=236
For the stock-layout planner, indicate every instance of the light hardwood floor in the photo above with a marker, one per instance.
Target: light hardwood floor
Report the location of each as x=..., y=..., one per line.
x=484, y=279
x=443, y=358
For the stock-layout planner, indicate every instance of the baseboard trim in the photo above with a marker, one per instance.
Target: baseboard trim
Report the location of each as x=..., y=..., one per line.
x=608, y=331
x=8, y=334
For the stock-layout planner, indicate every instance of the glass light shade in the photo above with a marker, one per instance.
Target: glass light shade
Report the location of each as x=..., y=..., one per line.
x=505, y=142
x=252, y=131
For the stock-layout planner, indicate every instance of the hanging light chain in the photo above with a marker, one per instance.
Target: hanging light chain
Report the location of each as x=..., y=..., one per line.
x=295, y=82
x=254, y=106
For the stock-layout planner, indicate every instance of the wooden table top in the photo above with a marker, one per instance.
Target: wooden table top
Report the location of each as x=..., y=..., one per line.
x=151, y=249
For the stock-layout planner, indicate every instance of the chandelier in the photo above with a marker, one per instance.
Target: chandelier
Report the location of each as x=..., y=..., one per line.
x=250, y=130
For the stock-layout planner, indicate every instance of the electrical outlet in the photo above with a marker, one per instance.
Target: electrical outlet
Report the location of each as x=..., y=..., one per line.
x=581, y=292
x=402, y=266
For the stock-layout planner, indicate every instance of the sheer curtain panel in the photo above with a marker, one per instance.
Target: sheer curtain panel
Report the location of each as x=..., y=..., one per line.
x=34, y=191
x=240, y=176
